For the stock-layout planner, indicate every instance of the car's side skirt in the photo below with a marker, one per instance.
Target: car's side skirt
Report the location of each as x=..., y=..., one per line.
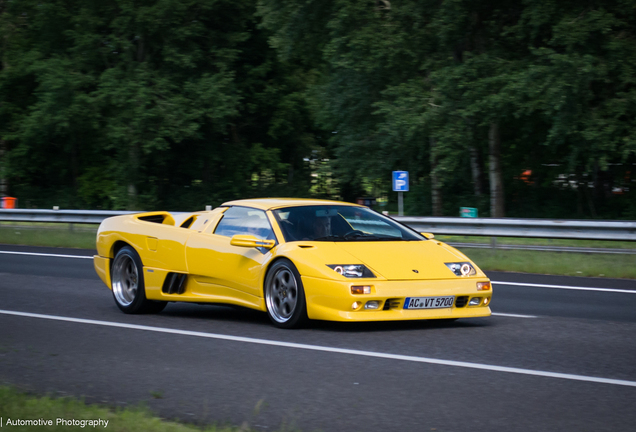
x=197, y=291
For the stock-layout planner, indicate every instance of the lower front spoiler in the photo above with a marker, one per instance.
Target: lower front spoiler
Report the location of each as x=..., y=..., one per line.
x=403, y=314
x=333, y=301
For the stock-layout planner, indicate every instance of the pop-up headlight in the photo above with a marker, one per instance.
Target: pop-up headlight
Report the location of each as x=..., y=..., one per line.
x=352, y=270
x=463, y=269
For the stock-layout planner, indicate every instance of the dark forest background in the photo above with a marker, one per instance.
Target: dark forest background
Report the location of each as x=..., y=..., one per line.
x=523, y=108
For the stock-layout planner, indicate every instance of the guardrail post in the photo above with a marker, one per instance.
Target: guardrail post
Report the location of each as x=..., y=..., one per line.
x=493, y=242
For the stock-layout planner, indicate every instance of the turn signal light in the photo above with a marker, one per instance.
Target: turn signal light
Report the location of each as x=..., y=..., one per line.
x=361, y=289
x=483, y=286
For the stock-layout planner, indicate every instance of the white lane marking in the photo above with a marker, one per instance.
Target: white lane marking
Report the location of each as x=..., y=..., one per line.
x=565, y=287
x=494, y=282
x=43, y=254
x=331, y=349
x=513, y=315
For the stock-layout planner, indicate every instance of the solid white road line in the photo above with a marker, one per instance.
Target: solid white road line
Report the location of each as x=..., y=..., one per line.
x=47, y=255
x=564, y=287
x=513, y=315
x=331, y=349
x=493, y=282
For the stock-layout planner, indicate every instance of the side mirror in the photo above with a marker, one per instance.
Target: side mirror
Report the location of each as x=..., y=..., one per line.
x=428, y=235
x=251, y=242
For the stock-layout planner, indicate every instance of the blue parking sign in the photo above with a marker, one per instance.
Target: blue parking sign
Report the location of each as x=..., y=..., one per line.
x=400, y=181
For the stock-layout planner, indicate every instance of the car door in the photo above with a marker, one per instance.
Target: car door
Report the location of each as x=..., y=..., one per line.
x=214, y=261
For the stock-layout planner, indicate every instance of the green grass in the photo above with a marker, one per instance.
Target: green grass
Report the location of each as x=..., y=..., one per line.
x=54, y=235
x=540, y=242
x=15, y=405
x=555, y=263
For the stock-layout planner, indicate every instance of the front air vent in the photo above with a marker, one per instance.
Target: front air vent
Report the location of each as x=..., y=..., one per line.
x=461, y=301
x=393, y=303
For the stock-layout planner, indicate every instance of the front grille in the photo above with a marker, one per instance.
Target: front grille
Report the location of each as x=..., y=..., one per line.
x=461, y=301
x=392, y=304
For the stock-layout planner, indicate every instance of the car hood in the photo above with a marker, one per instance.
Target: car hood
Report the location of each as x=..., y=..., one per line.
x=405, y=260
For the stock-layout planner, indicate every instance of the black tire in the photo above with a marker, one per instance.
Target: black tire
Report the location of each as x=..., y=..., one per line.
x=127, y=283
x=285, y=295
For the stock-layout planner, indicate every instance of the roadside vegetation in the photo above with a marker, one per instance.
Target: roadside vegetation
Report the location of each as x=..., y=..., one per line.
x=516, y=108
x=51, y=235
x=16, y=405
x=555, y=263
x=524, y=241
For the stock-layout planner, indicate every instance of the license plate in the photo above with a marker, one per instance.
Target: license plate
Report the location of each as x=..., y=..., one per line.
x=428, y=302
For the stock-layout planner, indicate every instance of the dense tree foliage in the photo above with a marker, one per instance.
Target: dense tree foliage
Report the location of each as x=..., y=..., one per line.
x=519, y=108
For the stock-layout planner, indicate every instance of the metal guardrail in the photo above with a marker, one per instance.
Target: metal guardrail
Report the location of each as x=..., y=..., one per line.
x=536, y=228
x=546, y=248
x=59, y=216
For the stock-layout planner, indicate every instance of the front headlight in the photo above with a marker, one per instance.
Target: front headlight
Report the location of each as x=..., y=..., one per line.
x=463, y=269
x=352, y=270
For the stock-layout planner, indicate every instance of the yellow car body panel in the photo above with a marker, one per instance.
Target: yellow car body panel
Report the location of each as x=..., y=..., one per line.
x=198, y=290
x=213, y=260
x=220, y=272
x=102, y=268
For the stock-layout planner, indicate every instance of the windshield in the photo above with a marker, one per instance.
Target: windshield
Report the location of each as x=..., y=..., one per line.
x=340, y=223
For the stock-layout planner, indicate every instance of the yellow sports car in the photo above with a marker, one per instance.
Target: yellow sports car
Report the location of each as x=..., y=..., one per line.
x=295, y=259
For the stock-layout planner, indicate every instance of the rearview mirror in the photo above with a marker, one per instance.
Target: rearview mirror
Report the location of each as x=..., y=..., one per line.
x=428, y=235
x=251, y=242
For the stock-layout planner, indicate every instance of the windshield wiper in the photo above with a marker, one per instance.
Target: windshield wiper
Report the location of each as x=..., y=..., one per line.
x=362, y=236
x=358, y=236
x=329, y=237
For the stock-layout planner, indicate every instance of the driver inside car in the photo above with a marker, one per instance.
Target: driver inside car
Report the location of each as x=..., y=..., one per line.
x=322, y=227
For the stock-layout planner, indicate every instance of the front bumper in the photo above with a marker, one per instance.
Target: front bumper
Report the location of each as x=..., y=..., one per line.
x=102, y=267
x=332, y=300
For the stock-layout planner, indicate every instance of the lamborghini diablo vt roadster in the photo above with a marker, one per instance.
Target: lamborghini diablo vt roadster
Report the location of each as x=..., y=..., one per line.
x=295, y=259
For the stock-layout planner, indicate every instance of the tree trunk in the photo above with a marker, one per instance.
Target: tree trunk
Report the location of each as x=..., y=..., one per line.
x=589, y=197
x=141, y=54
x=290, y=174
x=133, y=163
x=436, y=189
x=4, y=183
x=475, y=167
x=496, y=182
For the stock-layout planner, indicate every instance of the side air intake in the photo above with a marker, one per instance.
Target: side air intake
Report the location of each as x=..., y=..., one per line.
x=156, y=217
x=174, y=283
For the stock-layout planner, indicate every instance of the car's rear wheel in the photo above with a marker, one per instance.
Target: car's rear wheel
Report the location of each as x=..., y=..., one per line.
x=285, y=296
x=127, y=279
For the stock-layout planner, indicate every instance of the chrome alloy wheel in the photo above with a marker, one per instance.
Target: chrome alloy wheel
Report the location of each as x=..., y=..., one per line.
x=281, y=294
x=125, y=279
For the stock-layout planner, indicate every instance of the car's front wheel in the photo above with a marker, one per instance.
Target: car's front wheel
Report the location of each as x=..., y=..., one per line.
x=127, y=280
x=285, y=296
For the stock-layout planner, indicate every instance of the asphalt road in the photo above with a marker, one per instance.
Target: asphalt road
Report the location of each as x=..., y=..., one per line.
x=552, y=359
